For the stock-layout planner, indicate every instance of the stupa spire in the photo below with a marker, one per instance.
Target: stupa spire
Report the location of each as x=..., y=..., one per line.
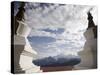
x=20, y=15
x=90, y=20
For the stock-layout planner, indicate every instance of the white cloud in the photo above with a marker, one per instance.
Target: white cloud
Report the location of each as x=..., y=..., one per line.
x=72, y=18
x=41, y=33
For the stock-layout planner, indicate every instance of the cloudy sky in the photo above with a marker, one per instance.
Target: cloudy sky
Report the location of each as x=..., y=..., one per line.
x=57, y=28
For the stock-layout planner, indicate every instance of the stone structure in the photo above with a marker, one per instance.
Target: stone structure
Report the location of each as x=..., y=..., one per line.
x=89, y=54
x=23, y=52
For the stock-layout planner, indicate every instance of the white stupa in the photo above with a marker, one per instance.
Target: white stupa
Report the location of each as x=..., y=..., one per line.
x=89, y=54
x=23, y=52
